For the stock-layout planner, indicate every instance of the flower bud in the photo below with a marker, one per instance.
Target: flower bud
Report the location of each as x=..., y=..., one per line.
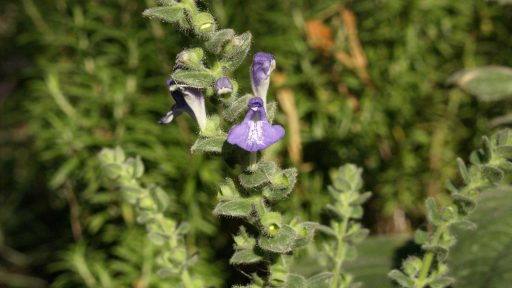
x=203, y=23
x=191, y=58
x=223, y=86
x=271, y=222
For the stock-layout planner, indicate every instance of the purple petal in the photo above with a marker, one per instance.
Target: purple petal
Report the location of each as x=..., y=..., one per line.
x=262, y=65
x=189, y=100
x=255, y=133
x=223, y=86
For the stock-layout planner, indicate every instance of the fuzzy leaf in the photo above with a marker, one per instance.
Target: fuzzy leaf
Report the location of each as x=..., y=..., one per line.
x=421, y=237
x=281, y=243
x=263, y=174
x=209, y=144
x=169, y=14
x=271, y=111
x=487, y=83
x=197, y=79
x=305, y=233
x=401, y=278
x=321, y=280
x=282, y=185
x=433, y=212
x=245, y=256
x=235, y=51
x=442, y=282
x=504, y=151
x=295, y=281
x=483, y=258
x=219, y=38
x=357, y=236
x=463, y=170
x=236, y=107
x=492, y=174
x=235, y=208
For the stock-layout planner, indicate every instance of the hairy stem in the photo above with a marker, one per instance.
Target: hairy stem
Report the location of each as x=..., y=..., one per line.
x=428, y=258
x=340, y=253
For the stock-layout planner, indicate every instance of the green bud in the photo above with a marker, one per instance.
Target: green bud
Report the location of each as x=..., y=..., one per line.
x=412, y=265
x=146, y=203
x=106, y=156
x=191, y=58
x=203, y=23
x=271, y=222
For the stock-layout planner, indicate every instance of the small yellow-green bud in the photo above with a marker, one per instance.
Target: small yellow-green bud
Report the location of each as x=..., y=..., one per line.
x=203, y=23
x=271, y=222
x=191, y=58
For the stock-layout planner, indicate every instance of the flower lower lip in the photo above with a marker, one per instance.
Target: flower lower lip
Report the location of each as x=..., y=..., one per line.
x=254, y=108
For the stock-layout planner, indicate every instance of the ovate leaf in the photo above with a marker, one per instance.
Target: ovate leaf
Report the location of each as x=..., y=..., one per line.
x=282, y=242
x=235, y=208
x=483, y=258
x=245, y=256
x=167, y=14
x=487, y=83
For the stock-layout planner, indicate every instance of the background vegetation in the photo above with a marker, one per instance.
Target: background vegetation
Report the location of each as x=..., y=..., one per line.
x=356, y=81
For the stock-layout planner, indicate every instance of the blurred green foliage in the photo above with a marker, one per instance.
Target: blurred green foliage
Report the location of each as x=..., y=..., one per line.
x=77, y=76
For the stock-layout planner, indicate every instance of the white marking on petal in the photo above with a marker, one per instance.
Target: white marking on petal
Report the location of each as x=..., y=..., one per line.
x=255, y=135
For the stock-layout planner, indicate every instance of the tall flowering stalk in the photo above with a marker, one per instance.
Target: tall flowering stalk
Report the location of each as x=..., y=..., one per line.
x=267, y=237
x=488, y=170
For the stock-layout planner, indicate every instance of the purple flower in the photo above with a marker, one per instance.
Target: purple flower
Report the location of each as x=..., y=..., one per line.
x=223, y=86
x=255, y=133
x=188, y=99
x=262, y=65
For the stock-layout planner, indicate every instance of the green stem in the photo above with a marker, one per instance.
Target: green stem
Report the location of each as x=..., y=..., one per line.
x=253, y=160
x=428, y=258
x=186, y=279
x=340, y=253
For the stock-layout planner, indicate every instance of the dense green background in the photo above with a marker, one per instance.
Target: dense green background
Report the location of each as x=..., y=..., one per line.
x=76, y=76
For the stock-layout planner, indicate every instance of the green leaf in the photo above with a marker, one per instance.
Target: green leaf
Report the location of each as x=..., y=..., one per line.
x=112, y=170
x=281, y=243
x=282, y=185
x=245, y=256
x=322, y=280
x=271, y=111
x=463, y=170
x=482, y=258
x=160, y=198
x=401, y=278
x=376, y=257
x=441, y=282
x=209, y=144
x=235, y=208
x=235, y=51
x=197, y=79
x=504, y=151
x=433, y=212
x=305, y=233
x=487, y=83
x=219, y=38
x=264, y=173
x=493, y=174
x=357, y=236
x=169, y=14
x=421, y=237
x=236, y=107
x=295, y=281
x=69, y=166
